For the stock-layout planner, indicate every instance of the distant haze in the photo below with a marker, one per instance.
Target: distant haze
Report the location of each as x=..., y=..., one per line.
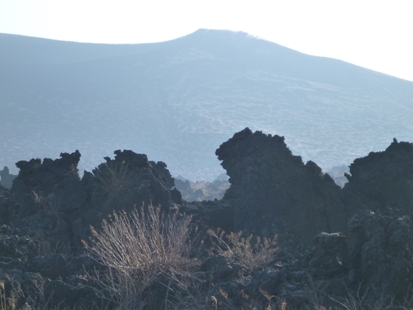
x=177, y=101
x=369, y=33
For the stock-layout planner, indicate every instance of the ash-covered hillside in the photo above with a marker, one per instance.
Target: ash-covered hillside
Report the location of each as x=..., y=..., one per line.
x=177, y=101
x=283, y=236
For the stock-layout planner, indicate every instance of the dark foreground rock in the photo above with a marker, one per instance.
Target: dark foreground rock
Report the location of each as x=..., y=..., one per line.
x=382, y=181
x=358, y=238
x=339, y=248
x=271, y=188
x=53, y=203
x=48, y=212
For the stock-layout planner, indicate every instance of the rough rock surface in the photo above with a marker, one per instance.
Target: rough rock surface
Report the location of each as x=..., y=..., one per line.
x=270, y=187
x=49, y=210
x=52, y=265
x=49, y=185
x=4, y=205
x=210, y=214
x=355, y=242
x=52, y=201
x=129, y=180
x=383, y=181
x=329, y=255
x=358, y=237
x=380, y=254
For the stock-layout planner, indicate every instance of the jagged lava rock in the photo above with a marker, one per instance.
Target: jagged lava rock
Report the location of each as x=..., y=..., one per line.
x=126, y=182
x=379, y=195
x=49, y=179
x=270, y=187
x=51, y=199
x=382, y=181
x=4, y=205
x=380, y=255
x=46, y=195
x=329, y=256
x=130, y=180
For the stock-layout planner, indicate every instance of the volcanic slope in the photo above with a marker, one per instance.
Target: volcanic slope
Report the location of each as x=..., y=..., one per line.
x=177, y=101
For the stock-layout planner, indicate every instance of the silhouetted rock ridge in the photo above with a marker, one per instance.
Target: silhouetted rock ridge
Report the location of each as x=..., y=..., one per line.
x=270, y=187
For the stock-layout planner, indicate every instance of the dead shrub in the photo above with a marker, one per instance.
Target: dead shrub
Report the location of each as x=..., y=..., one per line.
x=249, y=252
x=114, y=178
x=140, y=248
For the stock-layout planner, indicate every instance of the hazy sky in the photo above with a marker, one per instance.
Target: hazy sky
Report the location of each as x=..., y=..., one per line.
x=373, y=34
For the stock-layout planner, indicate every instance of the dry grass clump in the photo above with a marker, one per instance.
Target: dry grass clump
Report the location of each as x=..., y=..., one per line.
x=114, y=177
x=3, y=299
x=249, y=252
x=148, y=264
x=140, y=248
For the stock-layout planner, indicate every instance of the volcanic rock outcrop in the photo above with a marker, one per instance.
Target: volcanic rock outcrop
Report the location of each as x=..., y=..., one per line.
x=360, y=237
x=51, y=199
x=49, y=211
x=130, y=180
x=383, y=181
x=4, y=205
x=355, y=241
x=379, y=195
x=271, y=188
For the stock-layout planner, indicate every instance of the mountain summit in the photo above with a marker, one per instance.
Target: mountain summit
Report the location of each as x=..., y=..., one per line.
x=177, y=101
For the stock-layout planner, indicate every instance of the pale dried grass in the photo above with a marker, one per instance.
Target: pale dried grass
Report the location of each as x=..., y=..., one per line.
x=139, y=248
